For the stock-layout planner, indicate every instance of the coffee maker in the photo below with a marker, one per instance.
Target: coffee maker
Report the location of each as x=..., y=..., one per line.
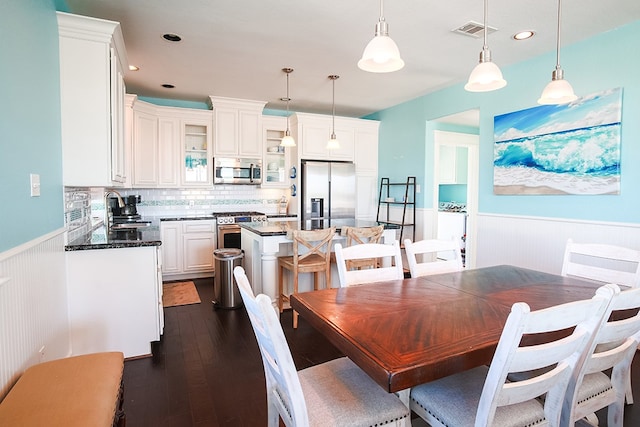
x=126, y=213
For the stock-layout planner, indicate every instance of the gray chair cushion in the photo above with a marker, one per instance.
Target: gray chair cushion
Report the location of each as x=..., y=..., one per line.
x=453, y=401
x=346, y=384
x=593, y=385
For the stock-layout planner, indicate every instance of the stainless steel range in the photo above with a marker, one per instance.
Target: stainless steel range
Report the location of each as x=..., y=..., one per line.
x=229, y=226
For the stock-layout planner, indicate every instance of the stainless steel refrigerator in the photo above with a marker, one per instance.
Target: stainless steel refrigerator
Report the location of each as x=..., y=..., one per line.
x=328, y=190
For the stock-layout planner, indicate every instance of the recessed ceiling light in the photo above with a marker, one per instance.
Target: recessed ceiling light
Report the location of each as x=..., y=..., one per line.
x=133, y=68
x=168, y=86
x=523, y=35
x=170, y=37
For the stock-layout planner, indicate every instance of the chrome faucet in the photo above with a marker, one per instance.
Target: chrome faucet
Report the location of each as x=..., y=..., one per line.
x=108, y=215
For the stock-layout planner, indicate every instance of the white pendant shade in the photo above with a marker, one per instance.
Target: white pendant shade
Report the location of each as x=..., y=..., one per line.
x=288, y=140
x=381, y=56
x=557, y=92
x=486, y=76
x=333, y=143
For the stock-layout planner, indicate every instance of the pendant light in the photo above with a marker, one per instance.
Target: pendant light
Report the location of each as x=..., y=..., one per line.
x=486, y=76
x=558, y=91
x=381, y=54
x=288, y=140
x=333, y=143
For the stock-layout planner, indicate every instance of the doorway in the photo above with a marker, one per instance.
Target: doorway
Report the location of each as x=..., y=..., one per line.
x=456, y=159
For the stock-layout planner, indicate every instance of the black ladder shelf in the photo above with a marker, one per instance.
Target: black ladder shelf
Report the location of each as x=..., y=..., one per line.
x=408, y=202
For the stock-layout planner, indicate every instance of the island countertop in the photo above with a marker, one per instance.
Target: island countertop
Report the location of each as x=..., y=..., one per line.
x=282, y=228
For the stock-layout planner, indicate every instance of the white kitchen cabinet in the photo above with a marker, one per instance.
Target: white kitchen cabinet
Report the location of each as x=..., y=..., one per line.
x=312, y=131
x=237, y=127
x=366, y=146
x=169, y=159
x=171, y=236
x=92, y=101
x=452, y=226
x=276, y=163
x=196, y=141
x=145, y=146
x=171, y=146
x=453, y=164
x=114, y=298
x=188, y=248
x=366, y=195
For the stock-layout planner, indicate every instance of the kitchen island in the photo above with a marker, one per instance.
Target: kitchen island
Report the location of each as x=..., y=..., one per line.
x=263, y=243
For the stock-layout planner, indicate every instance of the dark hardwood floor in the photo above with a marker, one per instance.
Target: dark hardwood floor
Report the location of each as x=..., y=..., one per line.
x=207, y=371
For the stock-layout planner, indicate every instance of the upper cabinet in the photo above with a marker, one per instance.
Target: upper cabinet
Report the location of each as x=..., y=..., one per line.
x=312, y=131
x=237, y=127
x=92, y=101
x=277, y=160
x=171, y=146
x=453, y=164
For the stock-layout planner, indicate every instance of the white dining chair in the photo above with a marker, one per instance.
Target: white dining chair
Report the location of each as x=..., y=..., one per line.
x=482, y=396
x=368, y=251
x=428, y=250
x=330, y=394
x=602, y=262
x=613, y=347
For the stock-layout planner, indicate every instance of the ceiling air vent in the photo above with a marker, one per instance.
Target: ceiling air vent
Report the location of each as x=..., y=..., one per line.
x=473, y=29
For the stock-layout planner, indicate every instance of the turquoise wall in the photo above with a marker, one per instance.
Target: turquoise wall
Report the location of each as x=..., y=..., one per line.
x=29, y=121
x=602, y=62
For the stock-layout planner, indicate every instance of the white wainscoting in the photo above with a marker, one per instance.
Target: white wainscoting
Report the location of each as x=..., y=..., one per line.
x=538, y=243
x=33, y=306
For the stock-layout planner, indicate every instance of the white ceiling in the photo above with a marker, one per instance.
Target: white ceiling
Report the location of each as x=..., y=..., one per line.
x=237, y=48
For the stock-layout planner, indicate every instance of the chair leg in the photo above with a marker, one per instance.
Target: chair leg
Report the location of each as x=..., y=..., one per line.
x=280, y=288
x=629, y=390
x=327, y=276
x=295, y=291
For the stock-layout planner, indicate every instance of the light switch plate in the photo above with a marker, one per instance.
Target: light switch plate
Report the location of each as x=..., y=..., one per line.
x=35, y=184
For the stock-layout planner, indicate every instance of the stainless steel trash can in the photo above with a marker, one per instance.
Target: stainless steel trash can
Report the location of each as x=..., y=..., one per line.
x=225, y=289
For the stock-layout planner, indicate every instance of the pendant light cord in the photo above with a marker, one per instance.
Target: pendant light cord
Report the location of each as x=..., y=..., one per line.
x=558, y=37
x=333, y=107
x=486, y=13
x=381, y=10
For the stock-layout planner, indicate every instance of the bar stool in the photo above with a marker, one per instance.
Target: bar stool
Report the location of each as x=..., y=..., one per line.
x=358, y=236
x=311, y=254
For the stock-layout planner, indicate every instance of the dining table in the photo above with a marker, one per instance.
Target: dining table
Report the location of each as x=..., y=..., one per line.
x=408, y=332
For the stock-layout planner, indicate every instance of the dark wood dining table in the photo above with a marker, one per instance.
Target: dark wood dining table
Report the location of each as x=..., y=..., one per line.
x=407, y=332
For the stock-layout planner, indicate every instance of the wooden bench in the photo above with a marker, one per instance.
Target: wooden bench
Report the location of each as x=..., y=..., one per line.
x=75, y=391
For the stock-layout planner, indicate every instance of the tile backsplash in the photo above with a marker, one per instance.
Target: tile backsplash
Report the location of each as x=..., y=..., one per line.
x=77, y=212
x=84, y=207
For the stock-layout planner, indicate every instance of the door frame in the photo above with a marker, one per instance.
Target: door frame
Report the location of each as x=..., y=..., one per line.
x=472, y=143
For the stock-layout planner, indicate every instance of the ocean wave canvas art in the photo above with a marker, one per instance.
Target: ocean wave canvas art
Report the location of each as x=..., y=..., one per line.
x=572, y=148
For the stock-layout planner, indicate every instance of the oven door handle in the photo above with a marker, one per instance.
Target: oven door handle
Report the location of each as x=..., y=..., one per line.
x=229, y=227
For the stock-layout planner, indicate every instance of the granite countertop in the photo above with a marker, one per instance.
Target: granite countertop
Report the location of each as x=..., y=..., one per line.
x=187, y=217
x=281, y=228
x=99, y=238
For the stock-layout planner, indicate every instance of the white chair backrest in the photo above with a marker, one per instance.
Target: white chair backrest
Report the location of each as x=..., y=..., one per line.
x=368, y=275
x=428, y=251
x=565, y=353
x=614, y=346
x=282, y=381
x=602, y=262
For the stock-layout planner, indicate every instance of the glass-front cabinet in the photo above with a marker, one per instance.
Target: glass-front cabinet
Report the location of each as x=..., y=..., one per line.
x=276, y=164
x=197, y=146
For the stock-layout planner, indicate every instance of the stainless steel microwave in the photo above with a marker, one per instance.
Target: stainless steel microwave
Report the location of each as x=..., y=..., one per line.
x=231, y=170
